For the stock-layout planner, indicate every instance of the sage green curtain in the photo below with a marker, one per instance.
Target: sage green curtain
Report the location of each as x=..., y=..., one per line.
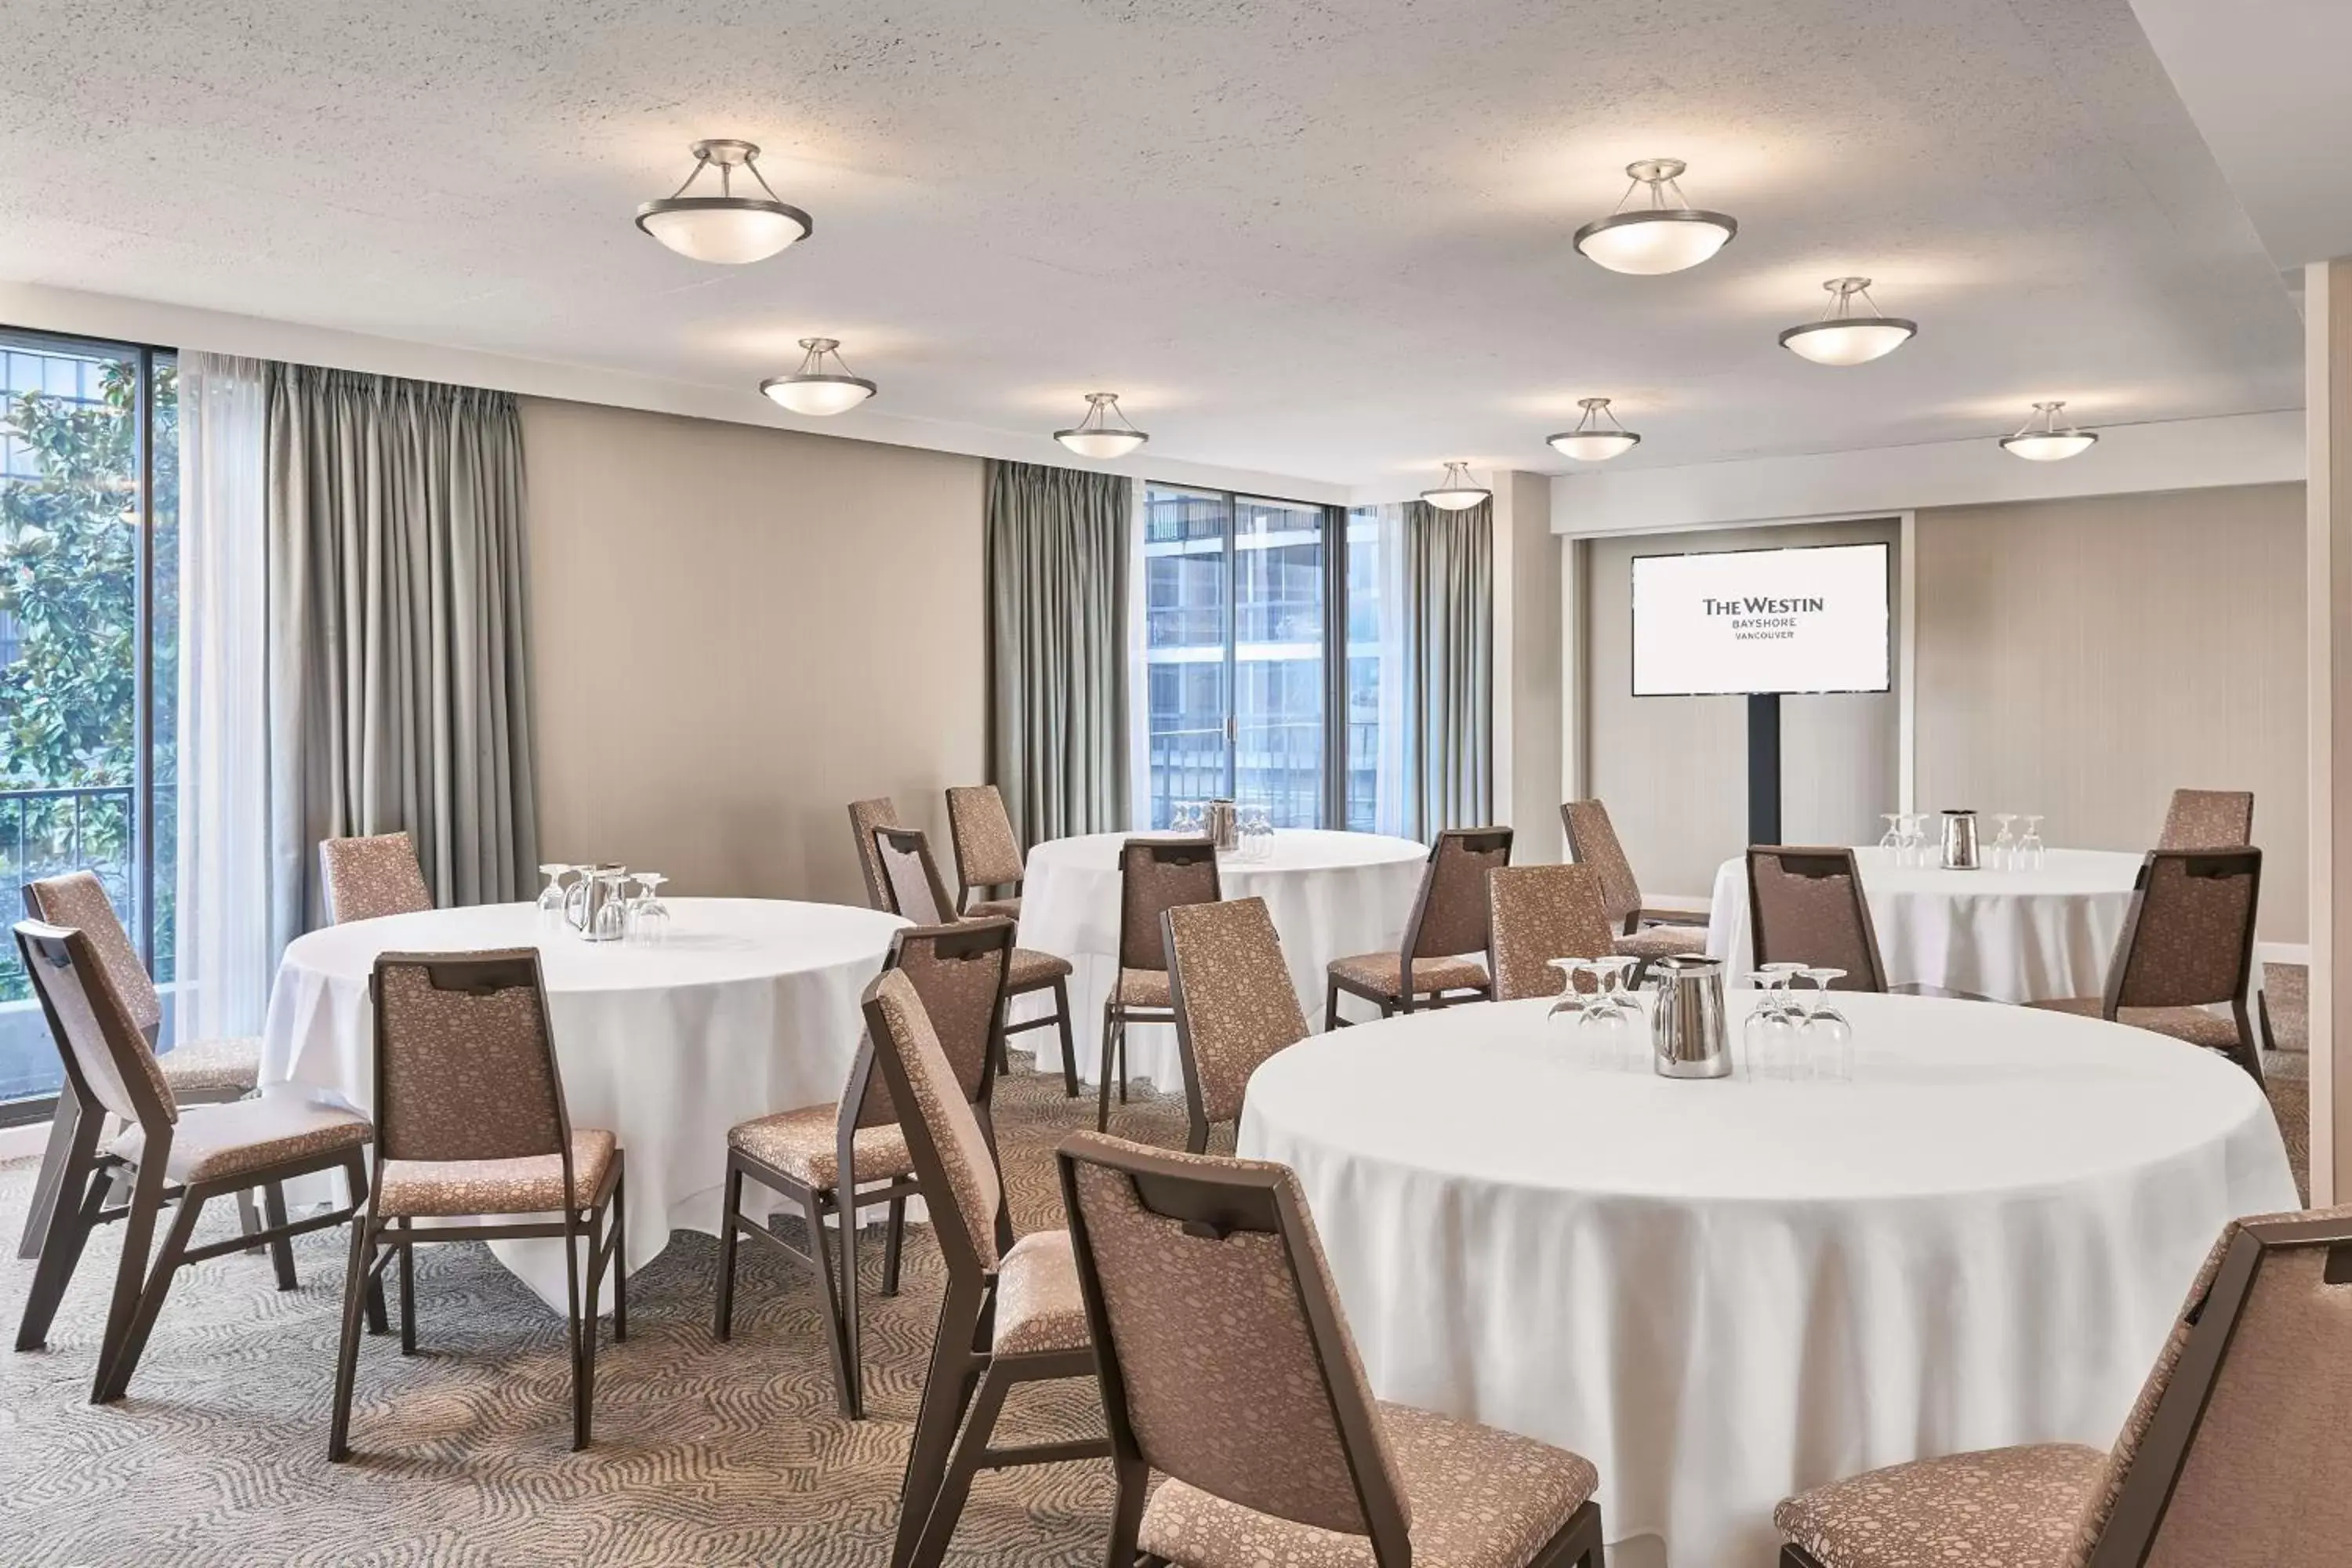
x=398, y=677
x=1449, y=659
x=1057, y=549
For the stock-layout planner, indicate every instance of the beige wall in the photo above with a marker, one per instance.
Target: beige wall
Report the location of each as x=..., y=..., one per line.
x=2084, y=657
x=737, y=631
x=1674, y=770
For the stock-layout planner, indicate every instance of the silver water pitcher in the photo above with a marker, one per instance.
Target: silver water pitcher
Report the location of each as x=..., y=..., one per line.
x=1960, y=841
x=1223, y=824
x=1687, y=1028
x=584, y=901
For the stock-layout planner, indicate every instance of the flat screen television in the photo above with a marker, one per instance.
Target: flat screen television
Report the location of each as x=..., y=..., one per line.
x=1756, y=622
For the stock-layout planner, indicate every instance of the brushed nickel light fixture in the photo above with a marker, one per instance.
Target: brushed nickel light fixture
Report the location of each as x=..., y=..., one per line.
x=725, y=228
x=813, y=389
x=1096, y=437
x=1457, y=492
x=2041, y=440
x=1841, y=337
x=1658, y=237
x=1592, y=441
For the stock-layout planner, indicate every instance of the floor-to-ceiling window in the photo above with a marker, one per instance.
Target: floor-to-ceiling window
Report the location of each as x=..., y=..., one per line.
x=89, y=642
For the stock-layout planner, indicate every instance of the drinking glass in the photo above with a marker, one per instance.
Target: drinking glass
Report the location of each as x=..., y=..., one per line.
x=1828, y=1038
x=648, y=916
x=1183, y=816
x=1608, y=1022
x=1260, y=831
x=1893, y=838
x=551, y=898
x=2030, y=855
x=2004, y=843
x=1768, y=1038
x=1572, y=1000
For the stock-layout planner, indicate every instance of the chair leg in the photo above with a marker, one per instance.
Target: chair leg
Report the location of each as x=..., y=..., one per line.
x=723, y=1317
x=358, y=1282
x=1127, y=1511
x=117, y=1377
x=1122, y=1059
x=820, y=1251
x=588, y=1331
x=281, y=1251
x=1102, y=1078
x=618, y=1225
x=407, y=1263
x=80, y=1191
x=571, y=1325
x=947, y=1389
x=894, y=1242
x=1332, y=1019
x=955, y=1486
x=1069, y=1049
x=57, y=1161
x=852, y=1329
x=129, y=1274
x=247, y=1221
x=2249, y=1052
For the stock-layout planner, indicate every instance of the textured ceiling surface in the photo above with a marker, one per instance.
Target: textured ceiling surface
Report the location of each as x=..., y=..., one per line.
x=1326, y=239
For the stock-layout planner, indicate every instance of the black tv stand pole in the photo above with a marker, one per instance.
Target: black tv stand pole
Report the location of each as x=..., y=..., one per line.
x=1764, y=768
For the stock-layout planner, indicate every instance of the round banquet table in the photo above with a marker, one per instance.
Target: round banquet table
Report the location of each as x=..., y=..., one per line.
x=1331, y=895
x=748, y=1006
x=2011, y=936
x=1723, y=1292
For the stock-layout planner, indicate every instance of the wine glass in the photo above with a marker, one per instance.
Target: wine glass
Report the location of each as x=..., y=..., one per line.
x=2004, y=843
x=2031, y=854
x=1573, y=998
x=551, y=898
x=613, y=914
x=1829, y=1039
x=648, y=916
x=1769, y=1037
x=1893, y=838
x=1608, y=1021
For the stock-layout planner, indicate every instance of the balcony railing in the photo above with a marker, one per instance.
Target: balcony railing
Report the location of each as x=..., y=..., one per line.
x=1278, y=765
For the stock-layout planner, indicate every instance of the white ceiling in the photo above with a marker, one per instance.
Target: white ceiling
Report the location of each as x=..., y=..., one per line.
x=1323, y=240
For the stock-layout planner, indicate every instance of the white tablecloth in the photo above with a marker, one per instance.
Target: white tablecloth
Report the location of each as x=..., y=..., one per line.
x=1331, y=895
x=749, y=1007
x=1722, y=1293
x=2013, y=936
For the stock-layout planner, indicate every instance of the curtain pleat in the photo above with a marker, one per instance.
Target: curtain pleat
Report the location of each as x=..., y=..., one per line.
x=1449, y=667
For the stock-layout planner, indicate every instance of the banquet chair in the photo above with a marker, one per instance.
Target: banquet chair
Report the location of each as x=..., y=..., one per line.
x=167, y=1154
x=200, y=1072
x=1643, y=932
x=2209, y=819
x=2234, y=1453
x=987, y=855
x=471, y=1124
x=1450, y=921
x=958, y=972
x=1538, y=913
x=1010, y=1314
x=2187, y=945
x=366, y=878
x=912, y=889
x=1227, y=1367
x=1806, y=905
x=1155, y=875
x=865, y=817
x=1234, y=1003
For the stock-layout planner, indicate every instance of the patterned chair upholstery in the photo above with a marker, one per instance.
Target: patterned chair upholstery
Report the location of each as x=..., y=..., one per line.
x=1450, y=921
x=1643, y=932
x=2209, y=819
x=471, y=1122
x=204, y=1152
x=1538, y=913
x=1227, y=1367
x=1806, y=905
x=2188, y=946
x=2232, y=1454
x=367, y=878
x=987, y=854
x=1024, y=1292
x=865, y=817
x=1155, y=875
x=1234, y=1002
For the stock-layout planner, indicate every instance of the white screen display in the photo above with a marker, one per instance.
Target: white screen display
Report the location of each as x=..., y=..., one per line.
x=1760, y=621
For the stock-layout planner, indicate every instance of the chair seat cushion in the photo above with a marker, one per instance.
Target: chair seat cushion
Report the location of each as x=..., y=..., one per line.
x=1479, y=1498
x=806, y=1144
x=211, y=1141
x=1144, y=988
x=533, y=1184
x=1029, y=967
x=1009, y=908
x=1037, y=1303
x=1378, y=972
x=216, y=1067
x=2194, y=1025
x=2020, y=1508
x=1662, y=941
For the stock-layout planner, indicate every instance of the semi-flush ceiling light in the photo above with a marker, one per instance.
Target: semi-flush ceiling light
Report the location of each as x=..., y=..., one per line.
x=2041, y=440
x=813, y=389
x=1841, y=337
x=1658, y=237
x=1095, y=436
x=1592, y=441
x=1457, y=492
x=725, y=228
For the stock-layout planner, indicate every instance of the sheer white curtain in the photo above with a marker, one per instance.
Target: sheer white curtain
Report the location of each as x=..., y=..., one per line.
x=224, y=957
x=1392, y=788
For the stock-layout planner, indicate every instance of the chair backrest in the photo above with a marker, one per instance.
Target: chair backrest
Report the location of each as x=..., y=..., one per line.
x=1592, y=841
x=108, y=1061
x=1224, y=1359
x=1451, y=915
x=1805, y=905
x=1236, y=1004
x=2209, y=819
x=371, y=876
x=911, y=877
x=2189, y=939
x=1538, y=913
x=865, y=817
x=464, y=1061
x=959, y=971
x=987, y=855
x=2234, y=1456
x=78, y=900
x=1156, y=875
x=951, y=1153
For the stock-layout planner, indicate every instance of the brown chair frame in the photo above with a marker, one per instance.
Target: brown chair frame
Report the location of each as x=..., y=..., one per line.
x=1811, y=861
x=1474, y=840
x=2218, y=862
x=87, y=1178
x=965, y=885
x=916, y=842
x=1118, y=1015
x=601, y=1223
x=818, y=1205
x=1256, y=1199
x=862, y=824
